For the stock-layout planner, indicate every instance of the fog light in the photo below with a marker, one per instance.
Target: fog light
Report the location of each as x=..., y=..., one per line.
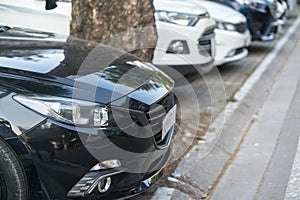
x=91, y=181
x=104, y=184
x=231, y=53
x=107, y=164
x=178, y=47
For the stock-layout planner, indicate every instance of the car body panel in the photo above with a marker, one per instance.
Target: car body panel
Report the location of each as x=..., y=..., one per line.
x=168, y=32
x=228, y=41
x=219, y=11
x=62, y=162
x=262, y=23
x=230, y=44
x=178, y=6
x=46, y=64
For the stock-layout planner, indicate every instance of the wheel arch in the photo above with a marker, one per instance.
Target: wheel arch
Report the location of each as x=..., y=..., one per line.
x=24, y=157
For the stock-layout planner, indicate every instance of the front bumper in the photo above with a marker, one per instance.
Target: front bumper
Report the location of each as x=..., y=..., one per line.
x=62, y=160
x=192, y=35
x=187, y=69
x=274, y=28
x=262, y=25
x=231, y=45
x=63, y=155
x=115, y=176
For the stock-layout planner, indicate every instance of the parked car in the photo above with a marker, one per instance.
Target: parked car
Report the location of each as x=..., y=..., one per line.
x=56, y=118
x=261, y=16
x=185, y=36
x=32, y=14
x=281, y=14
x=232, y=35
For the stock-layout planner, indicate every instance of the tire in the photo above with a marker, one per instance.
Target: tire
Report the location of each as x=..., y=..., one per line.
x=13, y=181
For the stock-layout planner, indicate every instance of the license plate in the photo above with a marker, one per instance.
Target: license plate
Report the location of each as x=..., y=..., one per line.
x=168, y=121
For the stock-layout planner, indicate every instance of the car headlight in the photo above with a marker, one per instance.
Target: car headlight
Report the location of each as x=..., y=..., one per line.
x=226, y=26
x=179, y=18
x=254, y=4
x=70, y=111
x=245, y=2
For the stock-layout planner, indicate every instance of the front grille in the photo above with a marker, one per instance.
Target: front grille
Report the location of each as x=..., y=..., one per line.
x=156, y=114
x=257, y=26
x=204, y=42
x=209, y=32
x=205, y=49
x=241, y=27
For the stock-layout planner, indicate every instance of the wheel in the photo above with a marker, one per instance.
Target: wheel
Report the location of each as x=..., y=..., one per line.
x=13, y=181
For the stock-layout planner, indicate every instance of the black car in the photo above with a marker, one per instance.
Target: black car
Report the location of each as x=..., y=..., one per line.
x=78, y=119
x=260, y=14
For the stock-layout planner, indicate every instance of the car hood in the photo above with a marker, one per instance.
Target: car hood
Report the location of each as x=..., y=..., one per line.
x=222, y=13
x=47, y=64
x=179, y=6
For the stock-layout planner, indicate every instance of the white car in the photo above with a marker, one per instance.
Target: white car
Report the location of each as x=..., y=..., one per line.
x=185, y=36
x=282, y=13
x=282, y=10
x=232, y=35
x=32, y=14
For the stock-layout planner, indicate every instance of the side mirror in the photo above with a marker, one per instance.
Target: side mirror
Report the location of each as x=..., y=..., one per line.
x=50, y=4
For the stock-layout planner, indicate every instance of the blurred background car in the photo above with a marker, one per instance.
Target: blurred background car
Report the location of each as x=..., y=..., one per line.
x=32, y=14
x=232, y=34
x=186, y=36
x=261, y=16
x=281, y=14
x=284, y=8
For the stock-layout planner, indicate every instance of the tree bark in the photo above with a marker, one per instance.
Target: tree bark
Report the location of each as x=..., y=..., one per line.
x=119, y=23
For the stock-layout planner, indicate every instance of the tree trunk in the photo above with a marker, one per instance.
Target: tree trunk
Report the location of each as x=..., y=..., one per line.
x=124, y=24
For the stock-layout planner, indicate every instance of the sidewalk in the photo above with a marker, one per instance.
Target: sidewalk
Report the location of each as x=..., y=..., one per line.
x=262, y=166
x=293, y=188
